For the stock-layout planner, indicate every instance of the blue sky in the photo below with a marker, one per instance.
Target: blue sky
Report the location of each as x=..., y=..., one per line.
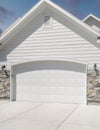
x=10, y=10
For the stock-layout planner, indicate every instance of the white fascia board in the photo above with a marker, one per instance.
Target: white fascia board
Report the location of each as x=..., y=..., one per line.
x=73, y=19
x=89, y=16
x=20, y=24
x=10, y=27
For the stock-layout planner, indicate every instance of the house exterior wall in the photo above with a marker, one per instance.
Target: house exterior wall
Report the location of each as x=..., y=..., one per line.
x=95, y=24
x=91, y=21
x=36, y=42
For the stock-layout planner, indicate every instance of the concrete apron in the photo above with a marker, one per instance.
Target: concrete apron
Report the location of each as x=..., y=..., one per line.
x=37, y=116
x=48, y=116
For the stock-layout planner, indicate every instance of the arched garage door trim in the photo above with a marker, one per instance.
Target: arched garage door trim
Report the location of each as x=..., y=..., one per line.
x=74, y=64
x=49, y=59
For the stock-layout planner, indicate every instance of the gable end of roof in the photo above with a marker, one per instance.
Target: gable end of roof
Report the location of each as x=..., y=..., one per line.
x=63, y=13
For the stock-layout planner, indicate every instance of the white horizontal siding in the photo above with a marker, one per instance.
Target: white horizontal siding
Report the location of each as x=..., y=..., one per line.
x=58, y=42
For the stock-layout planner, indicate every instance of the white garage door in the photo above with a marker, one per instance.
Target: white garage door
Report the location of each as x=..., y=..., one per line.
x=51, y=81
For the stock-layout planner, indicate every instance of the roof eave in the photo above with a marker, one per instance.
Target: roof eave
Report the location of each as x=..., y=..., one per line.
x=62, y=12
x=11, y=32
x=80, y=24
x=91, y=16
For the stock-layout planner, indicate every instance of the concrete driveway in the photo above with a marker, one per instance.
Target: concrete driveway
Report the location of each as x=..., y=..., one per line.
x=48, y=116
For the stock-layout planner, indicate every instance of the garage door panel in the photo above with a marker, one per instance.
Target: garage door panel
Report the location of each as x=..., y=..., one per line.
x=24, y=80
x=54, y=73
x=48, y=82
x=24, y=90
x=24, y=97
x=59, y=98
x=51, y=81
x=69, y=91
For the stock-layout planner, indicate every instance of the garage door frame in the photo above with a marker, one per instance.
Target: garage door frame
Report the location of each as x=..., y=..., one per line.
x=12, y=78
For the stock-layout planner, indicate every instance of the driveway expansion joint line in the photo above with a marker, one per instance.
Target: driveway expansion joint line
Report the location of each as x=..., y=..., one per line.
x=32, y=108
x=67, y=117
x=3, y=102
